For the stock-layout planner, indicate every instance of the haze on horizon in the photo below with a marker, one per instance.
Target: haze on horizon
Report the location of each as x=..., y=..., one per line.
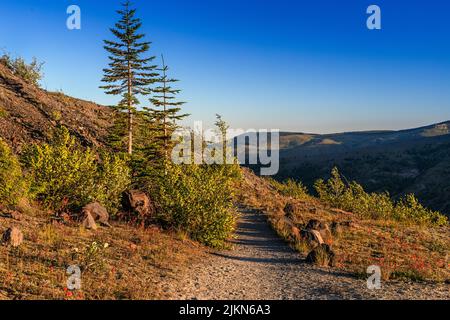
x=288, y=65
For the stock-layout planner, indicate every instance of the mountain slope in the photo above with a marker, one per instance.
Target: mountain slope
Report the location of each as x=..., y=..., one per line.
x=28, y=113
x=414, y=160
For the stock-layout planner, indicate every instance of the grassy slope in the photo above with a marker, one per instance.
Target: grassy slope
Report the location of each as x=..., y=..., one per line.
x=402, y=251
x=136, y=264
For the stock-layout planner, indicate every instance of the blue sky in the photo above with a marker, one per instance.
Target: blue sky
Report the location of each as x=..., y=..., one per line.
x=309, y=66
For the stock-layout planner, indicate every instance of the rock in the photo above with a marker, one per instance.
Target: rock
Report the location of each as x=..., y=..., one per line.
x=290, y=209
x=139, y=203
x=322, y=228
x=313, y=237
x=95, y=212
x=13, y=236
x=336, y=228
x=322, y=255
x=89, y=222
x=295, y=232
x=314, y=224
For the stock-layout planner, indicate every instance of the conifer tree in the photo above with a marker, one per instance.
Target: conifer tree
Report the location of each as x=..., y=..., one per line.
x=223, y=127
x=167, y=110
x=130, y=73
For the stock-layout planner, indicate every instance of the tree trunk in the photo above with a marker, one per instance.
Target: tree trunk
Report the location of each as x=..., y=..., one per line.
x=130, y=113
x=165, y=110
x=130, y=131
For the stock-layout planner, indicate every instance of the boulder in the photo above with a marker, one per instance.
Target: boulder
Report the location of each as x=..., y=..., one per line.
x=321, y=227
x=322, y=255
x=95, y=212
x=290, y=209
x=313, y=237
x=314, y=224
x=13, y=236
x=137, y=202
x=89, y=222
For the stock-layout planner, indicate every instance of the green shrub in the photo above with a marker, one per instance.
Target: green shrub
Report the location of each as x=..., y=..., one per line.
x=3, y=112
x=331, y=191
x=29, y=72
x=12, y=183
x=290, y=188
x=63, y=173
x=198, y=200
x=352, y=197
x=409, y=207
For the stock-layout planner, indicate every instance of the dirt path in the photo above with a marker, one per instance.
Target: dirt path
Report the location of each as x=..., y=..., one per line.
x=261, y=266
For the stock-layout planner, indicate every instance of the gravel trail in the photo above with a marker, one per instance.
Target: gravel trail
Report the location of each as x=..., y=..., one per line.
x=262, y=266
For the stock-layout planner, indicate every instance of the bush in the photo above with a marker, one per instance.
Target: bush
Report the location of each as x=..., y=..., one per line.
x=197, y=199
x=352, y=197
x=409, y=207
x=290, y=188
x=29, y=72
x=63, y=173
x=12, y=183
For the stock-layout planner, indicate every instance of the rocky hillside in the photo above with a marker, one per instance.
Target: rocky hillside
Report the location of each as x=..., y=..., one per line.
x=28, y=113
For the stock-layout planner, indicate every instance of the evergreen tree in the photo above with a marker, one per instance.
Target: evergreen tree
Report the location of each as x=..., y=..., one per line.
x=223, y=127
x=166, y=112
x=129, y=73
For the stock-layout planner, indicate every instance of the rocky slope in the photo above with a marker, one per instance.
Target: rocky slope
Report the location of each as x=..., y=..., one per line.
x=28, y=113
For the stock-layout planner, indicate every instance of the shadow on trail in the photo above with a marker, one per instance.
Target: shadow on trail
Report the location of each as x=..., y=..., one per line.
x=254, y=233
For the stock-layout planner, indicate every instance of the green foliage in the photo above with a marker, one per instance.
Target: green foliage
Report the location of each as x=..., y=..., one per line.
x=162, y=119
x=3, y=112
x=409, y=207
x=63, y=173
x=331, y=191
x=12, y=183
x=129, y=73
x=29, y=72
x=290, y=188
x=197, y=199
x=352, y=197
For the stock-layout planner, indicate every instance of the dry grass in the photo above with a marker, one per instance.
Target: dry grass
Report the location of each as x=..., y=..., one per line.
x=123, y=262
x=401, y=250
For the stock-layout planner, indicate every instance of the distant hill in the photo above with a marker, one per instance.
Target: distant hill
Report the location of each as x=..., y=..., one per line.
x=405, y=161
x=29, y=114
x=414, y=160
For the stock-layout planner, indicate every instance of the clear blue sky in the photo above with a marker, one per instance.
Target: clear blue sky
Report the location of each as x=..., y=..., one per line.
x=309, y=66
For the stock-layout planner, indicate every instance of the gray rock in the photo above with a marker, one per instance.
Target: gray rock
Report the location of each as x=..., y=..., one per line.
x=312, y=236
x=89, y=222
x=95, y=212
